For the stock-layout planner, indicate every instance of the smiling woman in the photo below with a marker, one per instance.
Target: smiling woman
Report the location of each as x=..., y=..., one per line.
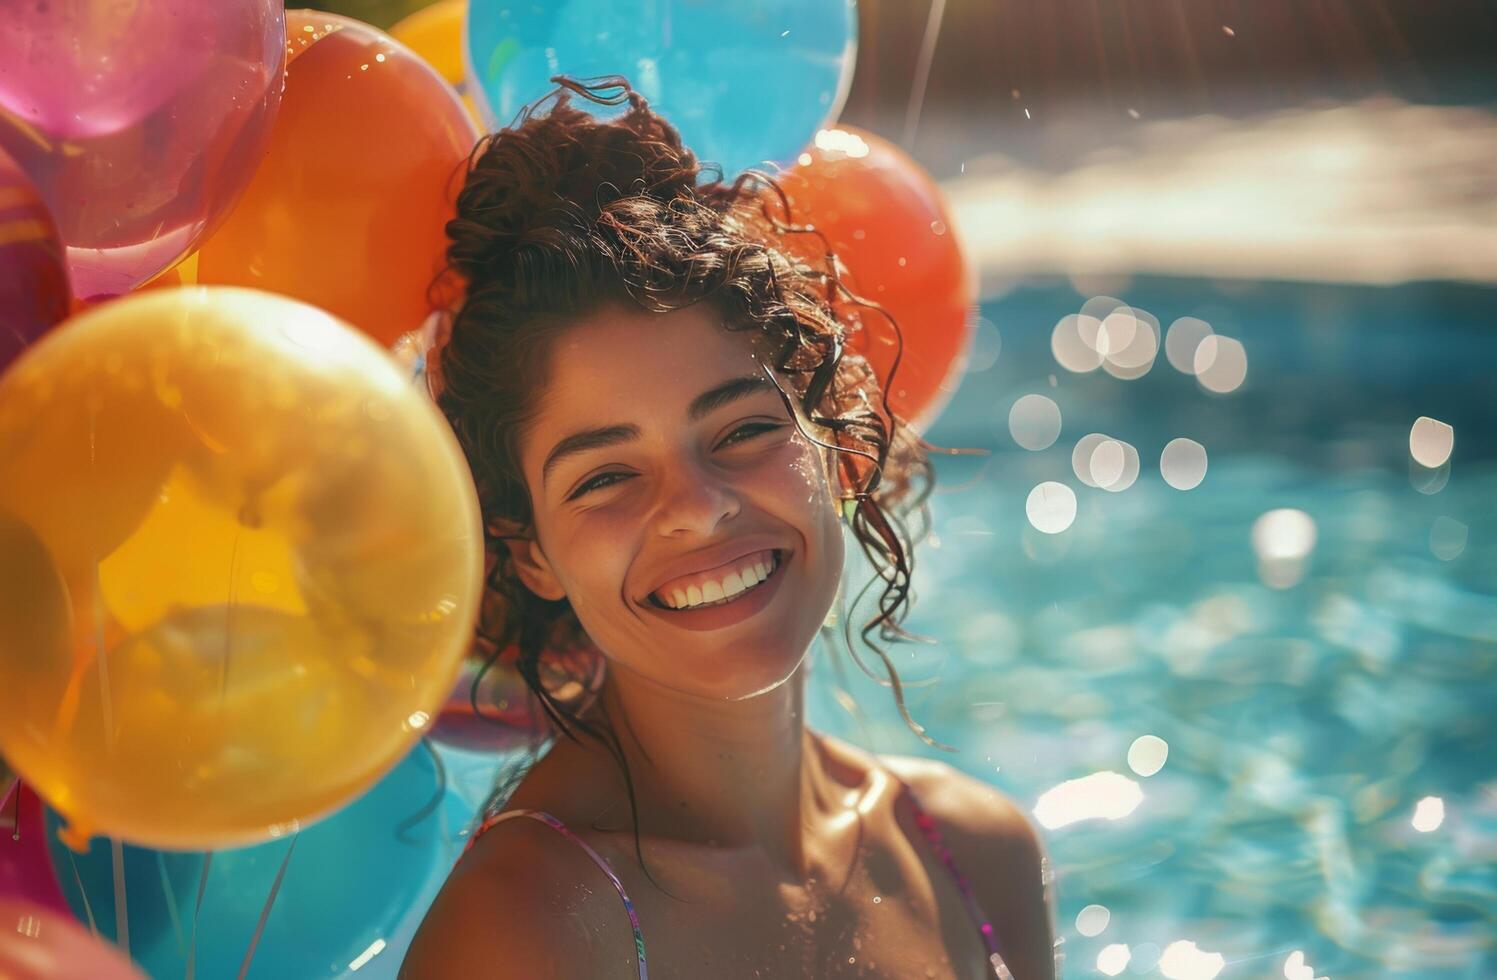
x=664, y=424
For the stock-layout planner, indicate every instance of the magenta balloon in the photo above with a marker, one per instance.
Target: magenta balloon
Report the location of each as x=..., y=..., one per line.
x=38, y=943
x=33, y=267
x=140, y=122
x=25, y=869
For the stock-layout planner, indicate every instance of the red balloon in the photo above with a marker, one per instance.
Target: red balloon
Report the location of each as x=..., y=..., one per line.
x=508, y=716
x=504, y=717
x=38, y=943
x=34, y=294
x=25, y=869
x=888, y=224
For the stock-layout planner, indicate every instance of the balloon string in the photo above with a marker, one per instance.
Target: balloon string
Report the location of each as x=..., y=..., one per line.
x=121, y=912
x=103, y=661
x=171, y=904
x=88, y=909
x=223, y=690
x=98, y=596
x=275, y=889
x=404, y=827
x=13, y=793
x=922, y=72
x=192, y=942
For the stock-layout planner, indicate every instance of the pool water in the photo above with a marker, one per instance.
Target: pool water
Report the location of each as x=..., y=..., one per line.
x=1323, y=698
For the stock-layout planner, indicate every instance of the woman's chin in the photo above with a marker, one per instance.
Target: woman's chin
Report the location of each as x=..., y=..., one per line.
x=743, y=674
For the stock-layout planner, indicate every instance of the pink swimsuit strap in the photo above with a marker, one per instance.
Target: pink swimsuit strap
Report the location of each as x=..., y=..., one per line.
x=932, y=834
x=561, y=828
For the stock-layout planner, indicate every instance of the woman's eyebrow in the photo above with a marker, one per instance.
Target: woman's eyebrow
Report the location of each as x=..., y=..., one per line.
x=726, y=393
x=702, y=405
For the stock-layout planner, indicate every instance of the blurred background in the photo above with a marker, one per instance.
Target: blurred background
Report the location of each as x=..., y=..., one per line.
x=1241, y=662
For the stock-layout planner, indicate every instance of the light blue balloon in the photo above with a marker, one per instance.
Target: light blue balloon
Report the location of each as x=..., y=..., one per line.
x=746, y=83
x=355, y=888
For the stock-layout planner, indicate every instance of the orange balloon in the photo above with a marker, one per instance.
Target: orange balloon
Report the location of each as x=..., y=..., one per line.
x=887, y=222
x=349, y=207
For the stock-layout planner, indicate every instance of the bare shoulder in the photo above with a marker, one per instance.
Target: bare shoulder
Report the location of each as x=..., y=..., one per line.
x=524, y=902
x=1001, y=850
x=959, y=801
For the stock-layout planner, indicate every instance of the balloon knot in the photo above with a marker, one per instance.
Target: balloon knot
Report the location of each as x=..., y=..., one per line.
x=75, y=836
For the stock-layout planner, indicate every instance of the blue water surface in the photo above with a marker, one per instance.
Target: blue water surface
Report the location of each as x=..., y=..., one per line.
x=1328, y=804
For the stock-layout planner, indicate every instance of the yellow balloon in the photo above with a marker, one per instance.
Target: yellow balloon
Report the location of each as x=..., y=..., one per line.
x=436, y=34
x=240, y=561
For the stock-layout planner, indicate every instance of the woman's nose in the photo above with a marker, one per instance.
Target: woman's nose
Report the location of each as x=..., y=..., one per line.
x=695, y=497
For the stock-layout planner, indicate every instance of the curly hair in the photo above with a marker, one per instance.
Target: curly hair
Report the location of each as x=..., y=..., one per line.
x=562, y=213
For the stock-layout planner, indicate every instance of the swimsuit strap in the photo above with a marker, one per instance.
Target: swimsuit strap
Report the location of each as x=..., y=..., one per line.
x=561, y=828
x=932, y=833
x=923, y=820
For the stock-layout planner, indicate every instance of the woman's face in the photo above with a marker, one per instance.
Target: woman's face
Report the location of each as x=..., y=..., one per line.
x=645, y=482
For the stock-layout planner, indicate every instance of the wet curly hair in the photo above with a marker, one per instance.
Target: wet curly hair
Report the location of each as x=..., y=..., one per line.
x=562, y=213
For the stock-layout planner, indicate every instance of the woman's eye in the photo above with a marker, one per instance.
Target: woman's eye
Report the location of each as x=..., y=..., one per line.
x=747, y=431
x=595, y=484
x=753, y=429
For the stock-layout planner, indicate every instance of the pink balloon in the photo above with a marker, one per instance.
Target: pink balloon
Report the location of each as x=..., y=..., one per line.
x=25, y=869
x=38, y=943
x=141, y=123
x=34, y=293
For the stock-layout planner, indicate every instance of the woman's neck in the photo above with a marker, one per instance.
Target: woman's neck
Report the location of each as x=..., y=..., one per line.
x=727, y=774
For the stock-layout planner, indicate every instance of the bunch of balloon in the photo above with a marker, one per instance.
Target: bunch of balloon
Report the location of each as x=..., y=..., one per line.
x=240, y=559
x=348, y=208
x=745, y=83
x=888, y=224
x=341, y=898
x=34, y=291
x=140, y=123
x=40, y=943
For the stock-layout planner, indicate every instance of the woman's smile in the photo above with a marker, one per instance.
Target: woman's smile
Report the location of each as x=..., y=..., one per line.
x=719, y=585
x=729, y=610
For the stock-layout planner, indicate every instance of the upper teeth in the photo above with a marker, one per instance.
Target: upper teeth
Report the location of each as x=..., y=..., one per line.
x=744, y=575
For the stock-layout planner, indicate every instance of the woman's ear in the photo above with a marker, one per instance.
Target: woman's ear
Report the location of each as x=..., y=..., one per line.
x=533, y=567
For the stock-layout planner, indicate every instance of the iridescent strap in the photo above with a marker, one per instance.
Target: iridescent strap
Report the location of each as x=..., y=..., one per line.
x=561, y=828
x=933, y=834
x=923, y=820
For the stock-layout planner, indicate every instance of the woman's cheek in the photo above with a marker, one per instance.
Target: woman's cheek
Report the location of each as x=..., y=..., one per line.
x=810, y=469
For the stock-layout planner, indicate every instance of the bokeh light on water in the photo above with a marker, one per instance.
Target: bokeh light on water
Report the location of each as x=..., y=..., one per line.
x=1229, y=635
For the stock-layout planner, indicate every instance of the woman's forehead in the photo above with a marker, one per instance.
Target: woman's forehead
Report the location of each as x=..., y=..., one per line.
x=623, y=367
x=616, y=355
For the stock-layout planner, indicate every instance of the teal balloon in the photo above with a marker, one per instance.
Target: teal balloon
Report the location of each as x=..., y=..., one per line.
x=746, y=83
x=355, y=888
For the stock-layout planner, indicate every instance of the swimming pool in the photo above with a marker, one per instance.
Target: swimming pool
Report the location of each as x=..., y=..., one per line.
x=1328, y=803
